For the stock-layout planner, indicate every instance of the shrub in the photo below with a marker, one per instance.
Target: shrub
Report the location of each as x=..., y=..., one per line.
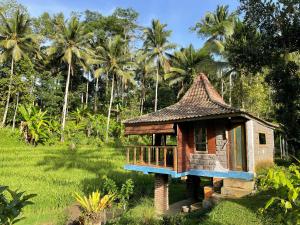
x=12, y=207
x=178, y=219
x=286, y=186
x=123, y=194
x=143, y=214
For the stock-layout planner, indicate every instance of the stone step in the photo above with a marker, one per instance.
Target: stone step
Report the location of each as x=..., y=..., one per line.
x=238, y=183
x=235, y=192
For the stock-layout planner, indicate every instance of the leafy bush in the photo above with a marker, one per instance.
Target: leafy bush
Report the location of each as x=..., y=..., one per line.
x=12, y=207
x=178, y=219
x=122, y=194
x=286, y=186
x=143, y=214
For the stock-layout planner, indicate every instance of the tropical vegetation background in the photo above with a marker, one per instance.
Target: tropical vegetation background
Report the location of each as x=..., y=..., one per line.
x=68, y=81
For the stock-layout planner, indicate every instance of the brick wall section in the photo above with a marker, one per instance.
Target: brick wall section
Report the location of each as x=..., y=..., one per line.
x=217, y=161
x=221, y=146
x=161, y=193
x=263, y=154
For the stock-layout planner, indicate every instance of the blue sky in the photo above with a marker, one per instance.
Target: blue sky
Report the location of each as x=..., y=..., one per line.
x=180, y=15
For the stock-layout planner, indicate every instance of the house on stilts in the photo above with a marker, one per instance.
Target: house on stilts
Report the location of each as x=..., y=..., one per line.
x=213, y=140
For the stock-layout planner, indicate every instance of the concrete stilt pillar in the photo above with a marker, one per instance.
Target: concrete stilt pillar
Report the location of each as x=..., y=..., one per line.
x=161, y=193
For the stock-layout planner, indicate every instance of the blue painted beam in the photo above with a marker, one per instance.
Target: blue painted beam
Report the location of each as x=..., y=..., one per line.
x=223, y=174
x=201, y=173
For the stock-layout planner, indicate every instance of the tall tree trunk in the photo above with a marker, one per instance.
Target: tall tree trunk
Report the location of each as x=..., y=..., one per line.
x=16, y=110
x=82, y=102
x=64, y=112
x=96, y=96
x=109, y=109
x=87, y=94
x=32, y=89
x=156, y=87
x=230, y=88
x=9, y=93
x=142, y=96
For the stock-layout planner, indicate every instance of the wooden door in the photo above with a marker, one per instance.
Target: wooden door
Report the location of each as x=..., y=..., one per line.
x=238, y=148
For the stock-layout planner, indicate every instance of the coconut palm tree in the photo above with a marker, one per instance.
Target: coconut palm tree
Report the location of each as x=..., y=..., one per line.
x=185, y=65
x=156, y=44
x=16, y=42
x=115, y=61
x=71, y=46
x=216, y=26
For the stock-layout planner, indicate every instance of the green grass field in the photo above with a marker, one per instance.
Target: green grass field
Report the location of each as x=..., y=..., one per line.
x=55, y=173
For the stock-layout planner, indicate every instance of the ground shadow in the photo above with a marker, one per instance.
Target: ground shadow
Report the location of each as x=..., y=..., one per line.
x=67, y=159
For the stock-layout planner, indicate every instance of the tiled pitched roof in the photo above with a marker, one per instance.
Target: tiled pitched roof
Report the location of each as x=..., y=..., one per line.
x=201, y=100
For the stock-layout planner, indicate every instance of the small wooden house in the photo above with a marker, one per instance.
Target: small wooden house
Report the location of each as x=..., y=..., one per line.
x=213, y=140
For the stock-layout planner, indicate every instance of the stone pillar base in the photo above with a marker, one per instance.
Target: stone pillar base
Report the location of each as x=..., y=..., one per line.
x=161, y=193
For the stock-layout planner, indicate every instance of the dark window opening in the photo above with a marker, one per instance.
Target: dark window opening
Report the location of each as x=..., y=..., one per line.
x=201, y=139
x=262, y=138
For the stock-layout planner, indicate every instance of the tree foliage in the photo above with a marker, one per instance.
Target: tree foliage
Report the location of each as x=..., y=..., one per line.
x=266, y=39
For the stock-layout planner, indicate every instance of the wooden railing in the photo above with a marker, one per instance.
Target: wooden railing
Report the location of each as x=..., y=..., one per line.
x=156, y=156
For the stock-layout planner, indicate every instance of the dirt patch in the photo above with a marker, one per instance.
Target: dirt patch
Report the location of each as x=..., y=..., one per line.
x=73, y=214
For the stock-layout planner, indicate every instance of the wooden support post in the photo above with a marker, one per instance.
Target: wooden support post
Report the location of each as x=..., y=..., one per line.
x=165, y=156
x=142, y=155
x=175, y=158
x=156, y=155
x=128, y=157
x=134, y=156
x=149, y=155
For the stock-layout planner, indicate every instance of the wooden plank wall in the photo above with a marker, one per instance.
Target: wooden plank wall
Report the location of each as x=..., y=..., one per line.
x=185, y=145
x=149, y=129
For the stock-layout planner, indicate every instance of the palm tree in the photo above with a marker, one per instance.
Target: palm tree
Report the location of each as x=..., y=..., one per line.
x=156, y=44
x=70, y=45
x=185, y=65
x=115, y=61
x=16, y=42
x=145, y=69
x=217, y=27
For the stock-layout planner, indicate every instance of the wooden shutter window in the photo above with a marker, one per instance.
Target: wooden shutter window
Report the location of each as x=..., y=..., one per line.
x=211, y=140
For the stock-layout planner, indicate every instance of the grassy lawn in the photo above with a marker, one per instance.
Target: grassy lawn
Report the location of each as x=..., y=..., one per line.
x=55, y=173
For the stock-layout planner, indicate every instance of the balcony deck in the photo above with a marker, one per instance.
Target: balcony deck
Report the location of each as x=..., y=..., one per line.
x=164, y=157
x=163, y=160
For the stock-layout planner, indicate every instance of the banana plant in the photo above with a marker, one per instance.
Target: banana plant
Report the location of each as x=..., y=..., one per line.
x=34, y=125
